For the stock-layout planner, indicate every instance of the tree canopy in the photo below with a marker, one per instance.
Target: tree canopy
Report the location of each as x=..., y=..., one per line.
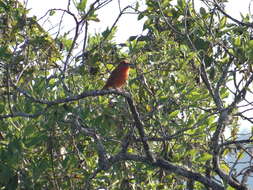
x=176, y=125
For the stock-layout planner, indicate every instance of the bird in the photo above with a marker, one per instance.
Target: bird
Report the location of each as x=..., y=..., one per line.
x=118, y=76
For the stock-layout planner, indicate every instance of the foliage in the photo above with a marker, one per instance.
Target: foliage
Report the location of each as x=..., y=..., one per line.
x=175, y=125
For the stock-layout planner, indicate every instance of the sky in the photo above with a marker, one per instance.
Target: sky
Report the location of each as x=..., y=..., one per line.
x=109, y=13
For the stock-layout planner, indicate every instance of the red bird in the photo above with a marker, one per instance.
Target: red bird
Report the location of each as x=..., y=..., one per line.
x=118, y=76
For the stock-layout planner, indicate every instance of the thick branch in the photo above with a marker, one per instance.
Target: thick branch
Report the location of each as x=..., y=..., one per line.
x=169, y=167
x=21, y=114
x=140, y=128
x=84, y=94
x=217, y=151
x=206, y=80
x=102, y=154
x=59, y=101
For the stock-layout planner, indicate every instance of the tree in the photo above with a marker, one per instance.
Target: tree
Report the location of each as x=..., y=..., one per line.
x=173, y=127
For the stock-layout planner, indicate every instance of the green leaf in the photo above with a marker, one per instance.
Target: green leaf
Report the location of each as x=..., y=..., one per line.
x=143, y=38
x=225, y=167
x=4, y=52
x=174, y=114
x=132, y=38
x=4, y=5
x=28, y=106
x=82, y=5
x=93, y=17
x=192, y=153
x=183, y=48
x=224, y=93
x=212, y=73
x=223, y=22
x=140, y=16
x=137, y=5
x=201, y=44
x=29, y=130
x=2, y=106
x=181, y=3
x=237, y=41
x=204, y=157
x=5, y=173
x=109, y=34
x=36, y=140
x=52, y=12
x=251, y=44
x=202, y=11
x=67, y=43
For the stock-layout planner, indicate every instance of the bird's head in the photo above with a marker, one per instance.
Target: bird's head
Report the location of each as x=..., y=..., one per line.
x=125, y=64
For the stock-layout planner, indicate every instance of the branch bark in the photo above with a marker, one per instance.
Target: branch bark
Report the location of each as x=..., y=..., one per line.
x=169, y=167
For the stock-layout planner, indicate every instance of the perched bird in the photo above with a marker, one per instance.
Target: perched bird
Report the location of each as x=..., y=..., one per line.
x=118, y=76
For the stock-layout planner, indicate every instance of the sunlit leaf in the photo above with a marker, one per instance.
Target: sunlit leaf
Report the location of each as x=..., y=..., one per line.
x=174, y=114
x=223, y=22
x=82, y=5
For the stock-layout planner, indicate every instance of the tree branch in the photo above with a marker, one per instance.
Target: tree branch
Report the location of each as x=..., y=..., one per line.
x=169, y=167
x=231, y=18
x=242, y=93
x=140, y=128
